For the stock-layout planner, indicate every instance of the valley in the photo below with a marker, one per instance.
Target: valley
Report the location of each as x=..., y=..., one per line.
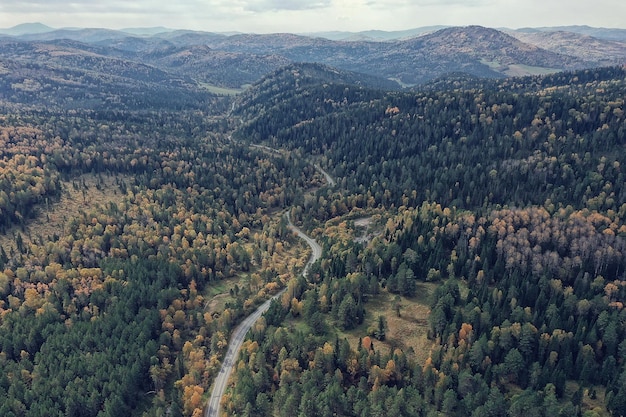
x=453, y=248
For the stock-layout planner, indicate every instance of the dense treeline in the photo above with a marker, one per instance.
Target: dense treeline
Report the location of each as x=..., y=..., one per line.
x=510, y=193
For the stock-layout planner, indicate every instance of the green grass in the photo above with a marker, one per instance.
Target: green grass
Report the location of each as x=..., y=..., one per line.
x=491, y=64
x=221, y=287
x=407, y=332
x=402, y=84
x=296, y=324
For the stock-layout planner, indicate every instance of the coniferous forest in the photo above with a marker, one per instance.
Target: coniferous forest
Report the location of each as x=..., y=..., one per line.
x=136, y=234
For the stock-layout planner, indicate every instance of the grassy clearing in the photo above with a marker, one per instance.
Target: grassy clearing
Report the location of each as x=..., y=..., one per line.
x=221, y=90
x=53, y=219
x=401, y=83
x=409, y=331
x=491, y=64
x=296, y=325
x=518, y=70
x=366, y=228
x=597, y=405
x=218, y=293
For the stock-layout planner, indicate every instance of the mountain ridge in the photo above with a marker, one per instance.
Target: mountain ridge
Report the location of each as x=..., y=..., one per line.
x=618, y=34
x=240, y=59
x=614, y=34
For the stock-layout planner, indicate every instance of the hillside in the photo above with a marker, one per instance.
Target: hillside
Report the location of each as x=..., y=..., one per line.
x=496, y=191
x=605, y=52
x=413, y=151
x=213, y=66
x=612, y=34
x=490, y=45
x=117, y=216
x=276, y=91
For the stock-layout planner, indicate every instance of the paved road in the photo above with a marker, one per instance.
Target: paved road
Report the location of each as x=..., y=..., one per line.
x=237, y=338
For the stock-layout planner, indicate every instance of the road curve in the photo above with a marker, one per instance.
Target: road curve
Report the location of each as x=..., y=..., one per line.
x=316, y=249
x=329, y=179
x=237, y=338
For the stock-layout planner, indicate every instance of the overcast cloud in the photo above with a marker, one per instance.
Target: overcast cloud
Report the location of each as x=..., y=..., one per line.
x=264, y=16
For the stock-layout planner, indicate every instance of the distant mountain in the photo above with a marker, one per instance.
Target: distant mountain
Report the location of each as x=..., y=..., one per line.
x=191, y=37
x=212, y=66
x=605, y=52
x=75, y=56
x=613, y=34
x=462, y=48
x=133, y=46
x=147, y=31
x=69, y=74
x=89, y=35
x=235, y=60
x=474, y=50
x=26, y=28
x=375, y=35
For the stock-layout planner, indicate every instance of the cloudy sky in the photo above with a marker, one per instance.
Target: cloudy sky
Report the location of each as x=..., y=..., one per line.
x=263, y=16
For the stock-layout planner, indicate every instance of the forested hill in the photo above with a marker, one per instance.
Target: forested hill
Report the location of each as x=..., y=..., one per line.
x=277, y=91
x=508, y=196
x=513, y=142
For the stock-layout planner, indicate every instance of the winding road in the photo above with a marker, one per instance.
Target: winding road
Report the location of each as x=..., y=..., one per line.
x=237, y=338
x=329, y=179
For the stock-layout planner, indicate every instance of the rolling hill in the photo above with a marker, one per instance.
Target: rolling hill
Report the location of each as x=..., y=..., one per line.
x=602, y=51
x=240, y=59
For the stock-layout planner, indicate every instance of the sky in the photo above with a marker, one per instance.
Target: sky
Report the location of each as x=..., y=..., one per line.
x=299, y=16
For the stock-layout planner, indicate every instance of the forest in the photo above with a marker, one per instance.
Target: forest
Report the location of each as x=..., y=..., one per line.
x=133, y=239
x=508, y=194
x=105, y=314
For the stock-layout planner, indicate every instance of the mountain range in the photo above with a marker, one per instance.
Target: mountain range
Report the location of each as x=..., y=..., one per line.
x=615, y=34
x=408, y=58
